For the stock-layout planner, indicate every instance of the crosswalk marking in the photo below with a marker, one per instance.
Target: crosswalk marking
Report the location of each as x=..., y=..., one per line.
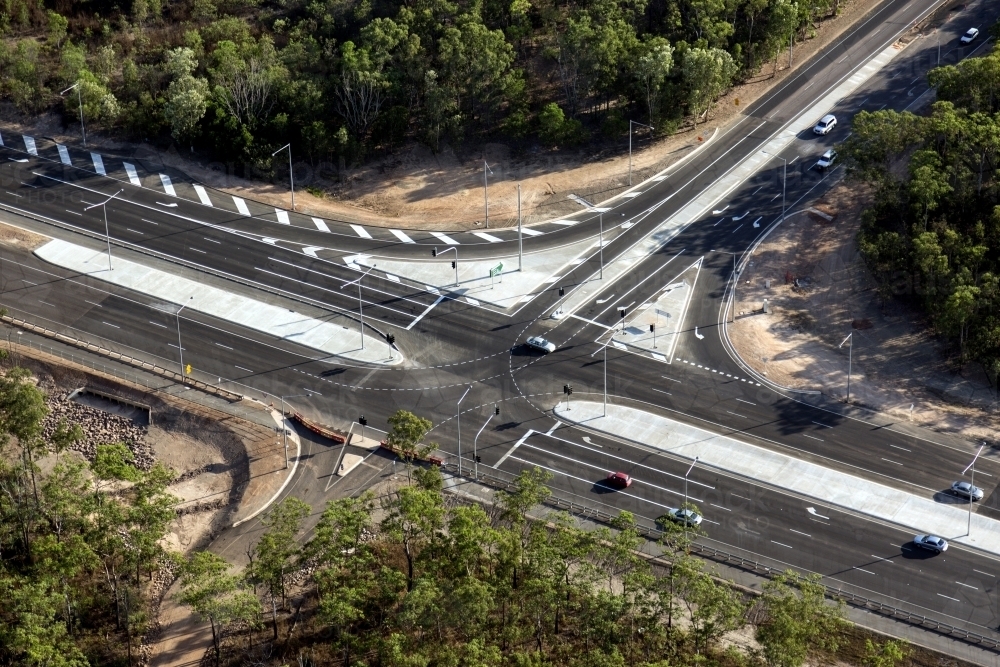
x=320, y=225
x=531, y=232
x=487, y=237
x=657, y=179
x=391, y=277
x=444, y=238
x=98, y=164
x=361, y=231
x=132, y=176
x=282, y=216
x=1, y=140
x=63, y=154
x=471, y=301
x=401, y=236
x=618, y=345
x=202, y=195
x=658, y=357
x=29, y=145
x=629, y=195
x=565, y=223
x=168, y=187
x=241, y=206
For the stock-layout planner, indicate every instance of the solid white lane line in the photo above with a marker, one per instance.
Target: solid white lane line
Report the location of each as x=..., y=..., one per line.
x=74, y=212
x=401, y=236
x=202, y=195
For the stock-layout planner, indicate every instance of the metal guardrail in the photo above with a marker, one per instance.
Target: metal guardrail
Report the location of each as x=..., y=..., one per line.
x=756, y=566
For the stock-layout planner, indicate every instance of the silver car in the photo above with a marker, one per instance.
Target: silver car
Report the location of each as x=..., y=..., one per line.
x=827, y=159
x=826, y=124
x=931, y=543
x=970, y=35
x=966, y=490
x=540, y=344
x=682, y=516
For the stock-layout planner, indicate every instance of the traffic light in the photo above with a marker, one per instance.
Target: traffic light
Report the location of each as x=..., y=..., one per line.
x=652, y=328
x=567, y=389
x=479, y=459
x=621, y=312
x=362, y=420
x=434, y=252
x=562, y=291
x=390, y=338
x=453, y=264
x=496, y=409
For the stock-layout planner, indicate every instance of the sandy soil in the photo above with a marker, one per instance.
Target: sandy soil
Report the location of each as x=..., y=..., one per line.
x=897, y=362
x=416, y=188
x=21, y=239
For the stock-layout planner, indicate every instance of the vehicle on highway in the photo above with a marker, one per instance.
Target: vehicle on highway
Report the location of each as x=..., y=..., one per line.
x=827, y=159
x=931, y=543
x=618, y=480
x=966, y=490
x=540, y=344
x=826, y=124
x=970, y=35
x=682, y=516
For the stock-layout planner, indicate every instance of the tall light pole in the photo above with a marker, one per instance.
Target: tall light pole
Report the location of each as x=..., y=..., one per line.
x=630, y=124
x=486, y=196
x=291, y=174
x=784, y=181
x=475, y=443
x=79, y=103
x=361, y=308
x=600, y=217
x=684, y=508
x=107, y=233
x=736, y=279
x=972, y=465
x=180, y=347
x=520, y=245
x=284, y=431
x=850, y=360
x=605, y=349
x=434, y=253
x=458, y=416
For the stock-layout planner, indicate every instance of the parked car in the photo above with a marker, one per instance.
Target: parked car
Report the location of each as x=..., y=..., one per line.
x=966, y=490
x=826, y=124
x=970, y=35
x=827, y=159
x=540, y=344
x=931, y=543
x=682, y=516
x=618, y=480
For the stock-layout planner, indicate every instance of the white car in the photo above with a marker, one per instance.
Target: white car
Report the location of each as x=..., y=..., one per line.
x=966, y=490
x=540, y=344
x=826, y=124
x=683, y=516
x=970, y=35
x=931, y=543
x=827, y=159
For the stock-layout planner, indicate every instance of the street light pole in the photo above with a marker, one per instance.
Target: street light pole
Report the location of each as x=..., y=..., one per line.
x=361, y=308
x=520, y=245
x=458, y=416
x=475, y=443
x=434, y=253
x=784, y=181
x=180, y=347
x=486, y=196
x=601, y=218
x=736, y=280
x=684, y=506
x=630, y=124
x=107, y=233
x=291, y=174
x=972, y=465
x=79, y=103
x=850, y=360
x=605, y=349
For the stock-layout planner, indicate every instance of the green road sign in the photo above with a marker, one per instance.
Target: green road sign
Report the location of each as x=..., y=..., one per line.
x=495, y=271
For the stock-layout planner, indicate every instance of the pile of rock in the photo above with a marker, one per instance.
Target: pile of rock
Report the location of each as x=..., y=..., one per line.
x=99, y=428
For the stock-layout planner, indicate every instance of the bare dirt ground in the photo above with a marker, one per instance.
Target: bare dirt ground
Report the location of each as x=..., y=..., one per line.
x=416, y=188
x=897, y=362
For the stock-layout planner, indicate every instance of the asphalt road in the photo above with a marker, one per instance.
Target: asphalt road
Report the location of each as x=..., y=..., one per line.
x=451, y=345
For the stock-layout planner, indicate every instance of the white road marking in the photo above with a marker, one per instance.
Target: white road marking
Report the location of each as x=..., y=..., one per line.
x=747, y=402
x=669, y=378
x=811, y=437
x=111, y=325
x=244, y=369
x=531, y=232
x=720, y=507
x=738, y=415
x=822, y=424
x=516, y=445
x=658, y=357
x=903, y=448
x=949, y=597
x=202, y=195
x=487, y=237
x=427, y=310
x=966, y=585
x=212, y=240
x=986, y=573
x=282, y=216
x=799, y=532
x=133, y=177
x=781, y=545
x=225, y=346
x=472, y=301
x=891, y=461
x=885, y=559
x=197, y=250
x=565, y=223
x=861, y=569
x=358, y=229
x=63, y=154
x=320, y=225
x=661, y=391
x=554, y=427
x=157, y=324
x=401, y=236
x=168, y=187
x=391, y=277
x=135, y=231
x=444, y=238
x=98, y=164
x=241, y=206
x=29, y=145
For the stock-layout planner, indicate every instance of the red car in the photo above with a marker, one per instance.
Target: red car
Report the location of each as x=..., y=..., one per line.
x=618, y=480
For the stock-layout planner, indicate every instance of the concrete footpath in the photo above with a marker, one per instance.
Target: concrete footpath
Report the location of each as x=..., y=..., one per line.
x=329, y=338
x=921, y=515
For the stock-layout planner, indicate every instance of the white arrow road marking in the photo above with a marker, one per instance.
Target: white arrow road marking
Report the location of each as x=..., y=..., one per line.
x=696, y=334
x=738, y=218
x=311, y=250
x=270, y=240
x=756, y=223
x=606, y=300
x=719, y=211
x=812, y=510
x=167, y=205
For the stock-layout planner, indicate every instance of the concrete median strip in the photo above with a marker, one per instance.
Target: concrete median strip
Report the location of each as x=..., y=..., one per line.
x=832, y=487
x=326, y=337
